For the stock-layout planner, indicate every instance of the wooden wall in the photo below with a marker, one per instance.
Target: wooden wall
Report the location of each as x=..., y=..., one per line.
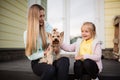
x=44, y=4
x=112, y=8
x=12, y=23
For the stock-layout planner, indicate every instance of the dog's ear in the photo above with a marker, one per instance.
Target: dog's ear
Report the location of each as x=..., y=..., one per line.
x=62, y=37
x=49, y=35
x=62, y=34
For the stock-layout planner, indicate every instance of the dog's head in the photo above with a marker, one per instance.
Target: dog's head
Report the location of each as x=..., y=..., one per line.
x=56, y=38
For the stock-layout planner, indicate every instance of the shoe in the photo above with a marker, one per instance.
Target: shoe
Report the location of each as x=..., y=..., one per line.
x=95, y=79
x=119, y=60
x=76, y=79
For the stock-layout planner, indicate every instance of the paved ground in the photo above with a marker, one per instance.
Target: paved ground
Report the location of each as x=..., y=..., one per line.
x=21, y=70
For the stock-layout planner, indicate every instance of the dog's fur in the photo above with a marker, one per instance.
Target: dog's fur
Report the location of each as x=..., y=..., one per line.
x=55, y=40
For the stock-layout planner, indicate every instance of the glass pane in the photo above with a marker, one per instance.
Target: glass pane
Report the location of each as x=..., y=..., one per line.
x=55, y=13
x=80, y=11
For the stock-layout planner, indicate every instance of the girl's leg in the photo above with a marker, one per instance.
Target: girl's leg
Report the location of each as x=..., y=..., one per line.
x=78, y=69
x=62, y=68
x=45, y=71
x=91, y=68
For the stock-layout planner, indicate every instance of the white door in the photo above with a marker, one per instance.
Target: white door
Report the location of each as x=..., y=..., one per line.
x=69, y=15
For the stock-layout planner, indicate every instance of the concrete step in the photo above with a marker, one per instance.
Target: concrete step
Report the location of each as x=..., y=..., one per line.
x=21, y=70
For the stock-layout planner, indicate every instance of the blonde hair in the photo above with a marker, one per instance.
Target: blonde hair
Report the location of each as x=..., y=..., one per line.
x=91, y=27
x=34, y=30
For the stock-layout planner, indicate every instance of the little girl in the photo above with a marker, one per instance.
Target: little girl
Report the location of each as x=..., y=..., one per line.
x=87, y=63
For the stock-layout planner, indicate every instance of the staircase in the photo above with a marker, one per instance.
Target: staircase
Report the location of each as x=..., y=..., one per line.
x=21, y=70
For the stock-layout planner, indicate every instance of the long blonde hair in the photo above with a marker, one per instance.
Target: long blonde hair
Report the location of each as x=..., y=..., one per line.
x=34, y=30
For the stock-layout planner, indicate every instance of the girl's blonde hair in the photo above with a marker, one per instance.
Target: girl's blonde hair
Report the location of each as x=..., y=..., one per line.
x=34, y=30
x=91, y=27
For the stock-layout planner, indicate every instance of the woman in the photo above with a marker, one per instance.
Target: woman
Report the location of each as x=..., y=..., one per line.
x=36, y=42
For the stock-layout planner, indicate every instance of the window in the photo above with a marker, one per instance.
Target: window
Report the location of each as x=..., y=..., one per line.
x=55, y=13
x=69, y=15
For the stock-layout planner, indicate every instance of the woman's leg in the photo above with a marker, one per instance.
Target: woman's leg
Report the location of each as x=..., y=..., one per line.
x=78, y=69
x=62, y=68
x=91, y=68
x=45, y=71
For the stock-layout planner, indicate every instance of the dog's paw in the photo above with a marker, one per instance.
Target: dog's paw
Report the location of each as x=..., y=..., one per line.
x=49, y=63
x=43, y=60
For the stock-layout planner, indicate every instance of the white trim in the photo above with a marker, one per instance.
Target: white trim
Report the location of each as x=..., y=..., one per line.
x=66, y=20
x=99, y=20
x=102, y=24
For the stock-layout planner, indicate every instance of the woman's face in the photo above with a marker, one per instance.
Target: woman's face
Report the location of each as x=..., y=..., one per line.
x=86, y=33
x=42, y=17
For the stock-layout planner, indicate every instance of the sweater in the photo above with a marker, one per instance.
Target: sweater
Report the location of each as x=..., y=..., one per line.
x=96, y=51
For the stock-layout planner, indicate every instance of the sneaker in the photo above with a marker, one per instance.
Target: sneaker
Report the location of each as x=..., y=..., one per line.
x=95, y=79
x=76, y=79
x=119, y=60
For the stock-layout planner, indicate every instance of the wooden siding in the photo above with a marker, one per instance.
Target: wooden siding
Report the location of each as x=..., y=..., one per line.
x=112, y=8
x=12, y=23
x=44, y=4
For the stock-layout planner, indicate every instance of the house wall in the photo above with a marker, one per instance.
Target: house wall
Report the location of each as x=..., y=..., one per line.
x=13, y=17
x=44, y=5
x=12, y=23
x=112, y=8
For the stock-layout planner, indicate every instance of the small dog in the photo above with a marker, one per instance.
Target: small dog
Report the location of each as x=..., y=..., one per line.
x=55, y=39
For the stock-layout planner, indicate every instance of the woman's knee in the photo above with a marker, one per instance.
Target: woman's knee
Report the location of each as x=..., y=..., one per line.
x=64, y=61
x=50, y=70
x=49, y=73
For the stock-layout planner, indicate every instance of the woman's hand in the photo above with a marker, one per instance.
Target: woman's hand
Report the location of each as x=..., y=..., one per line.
x=46, y=51
x=56, y=50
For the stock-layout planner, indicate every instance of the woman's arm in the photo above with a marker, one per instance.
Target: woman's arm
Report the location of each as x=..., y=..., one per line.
x=36, y=55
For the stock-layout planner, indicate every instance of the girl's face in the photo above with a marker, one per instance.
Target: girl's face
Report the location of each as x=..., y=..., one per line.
x=42, y=17
x=86, y=32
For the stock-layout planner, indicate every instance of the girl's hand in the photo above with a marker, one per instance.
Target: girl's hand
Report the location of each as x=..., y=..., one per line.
x=79, y=57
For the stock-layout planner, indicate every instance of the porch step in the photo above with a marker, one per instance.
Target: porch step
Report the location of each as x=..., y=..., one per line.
x=21, y=70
